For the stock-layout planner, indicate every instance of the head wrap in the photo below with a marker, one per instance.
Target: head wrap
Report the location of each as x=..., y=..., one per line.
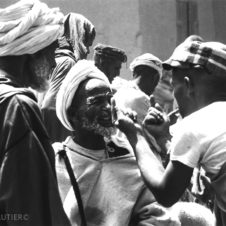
x=78, y=31
x=28, y=26
x=149, y=60
x=107, y=51
x=81, y=71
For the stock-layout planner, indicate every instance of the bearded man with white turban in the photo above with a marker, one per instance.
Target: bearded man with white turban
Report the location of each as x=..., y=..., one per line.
x=112, y=191
x=28, y=188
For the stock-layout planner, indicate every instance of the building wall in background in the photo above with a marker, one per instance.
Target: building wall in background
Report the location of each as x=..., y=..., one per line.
x=155, y=26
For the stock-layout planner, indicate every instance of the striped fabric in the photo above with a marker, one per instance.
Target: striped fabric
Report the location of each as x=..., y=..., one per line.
x=209, y=55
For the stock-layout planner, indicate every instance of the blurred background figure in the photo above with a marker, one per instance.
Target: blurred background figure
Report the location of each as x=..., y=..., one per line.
x=135, y=94
x=163, y=92
x=109, y=60
x=78, y=36
x=28, y=187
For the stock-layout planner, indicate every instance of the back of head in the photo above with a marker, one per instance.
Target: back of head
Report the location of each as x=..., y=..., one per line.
x=79, y=31
x=109, y=60
x=206, y=59
x=108, y=53
x=193, y=214
x=149, y=60
x=28, y=26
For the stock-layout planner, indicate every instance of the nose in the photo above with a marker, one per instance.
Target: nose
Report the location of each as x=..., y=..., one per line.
x=107, y=105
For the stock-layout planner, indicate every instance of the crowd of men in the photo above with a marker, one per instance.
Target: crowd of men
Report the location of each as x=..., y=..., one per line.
x=82, y=146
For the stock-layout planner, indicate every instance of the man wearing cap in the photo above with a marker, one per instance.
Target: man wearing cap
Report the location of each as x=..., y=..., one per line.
x=109, y=60
x=28, y=188
x=199, y=82
x=135, y=94
x=111, y=188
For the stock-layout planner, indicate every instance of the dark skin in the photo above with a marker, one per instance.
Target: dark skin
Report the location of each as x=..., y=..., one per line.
x=193, y=91
x=146, y=78
x=111, y=68
x=91, y=101
x=20, y=67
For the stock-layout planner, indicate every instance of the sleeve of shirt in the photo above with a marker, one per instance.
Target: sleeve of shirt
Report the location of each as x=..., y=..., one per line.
x=185, y=148
x=63, y=67
x=28, y=188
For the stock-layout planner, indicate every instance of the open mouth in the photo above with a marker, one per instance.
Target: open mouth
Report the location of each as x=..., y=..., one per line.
x=105, y=119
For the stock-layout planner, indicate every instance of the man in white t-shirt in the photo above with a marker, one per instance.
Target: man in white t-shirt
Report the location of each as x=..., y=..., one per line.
x=199, y=82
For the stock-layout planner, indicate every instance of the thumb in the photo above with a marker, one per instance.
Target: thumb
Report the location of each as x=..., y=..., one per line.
x=158, y=107
x=116, y=112
x=152, y=100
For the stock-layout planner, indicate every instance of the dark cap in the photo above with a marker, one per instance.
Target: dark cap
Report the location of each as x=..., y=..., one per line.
x=108, y=51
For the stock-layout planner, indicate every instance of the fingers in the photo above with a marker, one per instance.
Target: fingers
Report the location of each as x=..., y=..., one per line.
x=156, y=210
x=158, y=107
x=154, y=116
x=122, y=116
x=131, y=114
x=161, y=216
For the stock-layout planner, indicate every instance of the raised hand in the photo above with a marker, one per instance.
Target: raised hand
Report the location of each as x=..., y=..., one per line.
x=124, y=119
x=156, y=121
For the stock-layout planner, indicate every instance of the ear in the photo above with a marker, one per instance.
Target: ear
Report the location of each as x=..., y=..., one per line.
x=189, y=86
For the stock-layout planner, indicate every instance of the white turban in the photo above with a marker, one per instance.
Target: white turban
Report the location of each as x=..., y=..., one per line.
x=82, y=70
x=149, y=60
x=28, y=26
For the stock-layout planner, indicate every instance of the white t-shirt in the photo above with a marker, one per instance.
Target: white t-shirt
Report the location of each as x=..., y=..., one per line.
x=200, y=139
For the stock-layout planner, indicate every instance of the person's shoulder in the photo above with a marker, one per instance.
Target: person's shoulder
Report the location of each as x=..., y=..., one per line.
x=69, y=59
x=26, y=100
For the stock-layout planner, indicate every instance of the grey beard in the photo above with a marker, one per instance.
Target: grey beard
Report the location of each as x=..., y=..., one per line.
x=106, y=132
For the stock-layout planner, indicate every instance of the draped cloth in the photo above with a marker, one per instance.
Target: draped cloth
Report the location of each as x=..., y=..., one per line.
x=79, y=31
x=81, y=71
x=28, y=26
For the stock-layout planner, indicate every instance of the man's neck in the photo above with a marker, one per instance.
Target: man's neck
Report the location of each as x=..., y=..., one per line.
x=89, y=140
